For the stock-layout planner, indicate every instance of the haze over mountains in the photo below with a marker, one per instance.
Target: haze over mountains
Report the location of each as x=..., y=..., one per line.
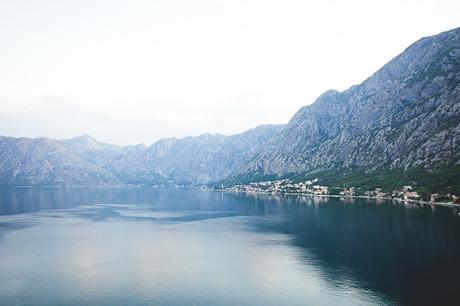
x=405, y=115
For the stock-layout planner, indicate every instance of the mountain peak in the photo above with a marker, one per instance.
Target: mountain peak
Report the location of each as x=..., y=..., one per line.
x=405, y=115
x=83, y=139
x=86, y=142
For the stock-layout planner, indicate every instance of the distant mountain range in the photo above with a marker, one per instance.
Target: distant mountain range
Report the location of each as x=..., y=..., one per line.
x=405, y=116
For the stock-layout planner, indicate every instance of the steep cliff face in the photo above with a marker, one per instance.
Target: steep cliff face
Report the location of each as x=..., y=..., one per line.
x=44, y=162
x=407, y=114
x=202, y=159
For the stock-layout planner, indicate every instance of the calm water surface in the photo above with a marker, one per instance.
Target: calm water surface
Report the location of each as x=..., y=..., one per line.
x=74, y=246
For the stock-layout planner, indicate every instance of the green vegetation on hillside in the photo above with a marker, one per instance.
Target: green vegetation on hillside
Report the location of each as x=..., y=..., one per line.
x=443, y=180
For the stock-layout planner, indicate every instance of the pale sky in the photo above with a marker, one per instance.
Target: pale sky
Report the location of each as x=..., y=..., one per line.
x=127, y=72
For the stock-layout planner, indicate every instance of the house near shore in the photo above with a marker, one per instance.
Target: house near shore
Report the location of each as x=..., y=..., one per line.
x=411, y=195
x=347, y=192
x=320, y=190
x=377, y=192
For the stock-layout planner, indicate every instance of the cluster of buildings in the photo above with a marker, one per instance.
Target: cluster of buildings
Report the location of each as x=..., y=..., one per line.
x=436, y=197
x=405, y=193
x=282, y=186
x=348, y=192
x=311, y=187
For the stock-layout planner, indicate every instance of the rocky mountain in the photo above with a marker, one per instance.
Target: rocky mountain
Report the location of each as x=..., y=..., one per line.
x=85, y=161
x=93, y=151
x=46, y=162
x=90, y=149
x=203, y=159
x=406, y=115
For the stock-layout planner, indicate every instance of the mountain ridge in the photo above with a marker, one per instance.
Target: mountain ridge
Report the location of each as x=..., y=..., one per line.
x=390, y=91
x=405, y=115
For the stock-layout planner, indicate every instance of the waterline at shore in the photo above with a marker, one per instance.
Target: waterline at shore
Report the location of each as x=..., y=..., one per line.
x=420, y=202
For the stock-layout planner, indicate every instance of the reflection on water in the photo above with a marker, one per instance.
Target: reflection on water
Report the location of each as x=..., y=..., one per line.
x=175, y=247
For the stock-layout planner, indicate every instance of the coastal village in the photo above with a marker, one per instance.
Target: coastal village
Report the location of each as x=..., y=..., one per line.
x=312, y=187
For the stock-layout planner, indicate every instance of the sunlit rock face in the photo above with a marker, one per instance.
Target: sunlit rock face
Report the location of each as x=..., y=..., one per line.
x=405, y=115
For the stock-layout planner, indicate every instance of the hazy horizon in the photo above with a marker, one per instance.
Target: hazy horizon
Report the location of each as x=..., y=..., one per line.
x=152, y=70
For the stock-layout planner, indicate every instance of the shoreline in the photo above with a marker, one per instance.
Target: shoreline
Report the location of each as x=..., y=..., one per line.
x=419, y=202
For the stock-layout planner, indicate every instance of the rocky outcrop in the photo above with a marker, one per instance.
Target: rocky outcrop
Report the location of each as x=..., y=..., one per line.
x=46, y=162
x=407, y=114
x=193, y=160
